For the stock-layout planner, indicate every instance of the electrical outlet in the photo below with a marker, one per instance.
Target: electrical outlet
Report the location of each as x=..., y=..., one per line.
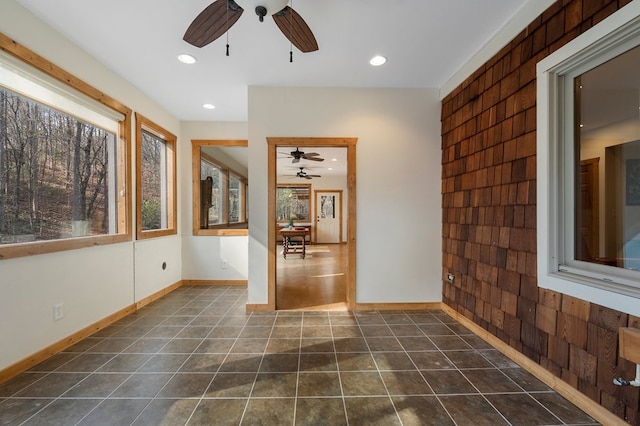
x=58, y=312
x=223, y=264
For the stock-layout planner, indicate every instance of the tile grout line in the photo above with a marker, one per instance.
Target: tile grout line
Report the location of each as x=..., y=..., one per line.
x=195, y=407
x=295, y=400
x=420, y=371
x=435, y=394
x=338, y=370
x=255, y=379
x=393, y=404
x=463, y=375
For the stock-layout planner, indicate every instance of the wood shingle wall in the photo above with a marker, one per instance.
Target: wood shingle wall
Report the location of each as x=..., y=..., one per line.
x=489, y=218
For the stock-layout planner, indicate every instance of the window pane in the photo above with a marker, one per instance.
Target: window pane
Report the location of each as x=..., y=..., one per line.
x=57, y=174
x=292, y=202
x=235, y=197
x=216, y=211
x=607, y=190
x=153, y=164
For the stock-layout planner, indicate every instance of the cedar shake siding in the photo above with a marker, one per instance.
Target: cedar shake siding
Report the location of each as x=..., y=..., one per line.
x=489, y=218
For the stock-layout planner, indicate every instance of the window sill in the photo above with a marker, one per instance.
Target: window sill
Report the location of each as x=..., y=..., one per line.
x=44, y=247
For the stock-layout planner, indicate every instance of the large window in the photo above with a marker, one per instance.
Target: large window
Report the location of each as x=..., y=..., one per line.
x=293, y=203
x=156, y=179
x=63, y=161
x=589, y=162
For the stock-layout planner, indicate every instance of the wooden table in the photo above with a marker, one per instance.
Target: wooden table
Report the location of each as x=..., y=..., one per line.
x=288, y=234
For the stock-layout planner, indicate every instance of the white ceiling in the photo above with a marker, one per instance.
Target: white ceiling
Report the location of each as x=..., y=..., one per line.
x=426, y=42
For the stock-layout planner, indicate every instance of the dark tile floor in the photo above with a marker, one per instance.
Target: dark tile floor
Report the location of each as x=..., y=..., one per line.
x=196, y=357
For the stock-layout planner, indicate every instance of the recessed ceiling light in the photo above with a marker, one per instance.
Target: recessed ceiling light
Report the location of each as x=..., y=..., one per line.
x=334, y=159
x=330, y=168
x=187, y=59
x=208, y=106
x=378, y=60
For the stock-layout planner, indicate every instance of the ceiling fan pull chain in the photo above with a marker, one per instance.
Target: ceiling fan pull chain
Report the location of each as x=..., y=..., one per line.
x=227, y=32
x=290, y=42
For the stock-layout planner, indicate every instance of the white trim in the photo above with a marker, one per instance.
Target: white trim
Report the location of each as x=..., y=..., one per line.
x=525, y=15
x=604, y=39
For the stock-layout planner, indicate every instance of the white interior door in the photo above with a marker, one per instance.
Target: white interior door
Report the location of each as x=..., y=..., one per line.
x=328, y=217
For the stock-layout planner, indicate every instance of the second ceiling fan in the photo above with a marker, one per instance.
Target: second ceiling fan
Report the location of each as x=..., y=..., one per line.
x=219, y=16
x=298, y=155
x=304, y=175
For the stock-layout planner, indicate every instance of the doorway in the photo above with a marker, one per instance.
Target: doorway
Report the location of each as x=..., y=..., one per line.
x=349, y=248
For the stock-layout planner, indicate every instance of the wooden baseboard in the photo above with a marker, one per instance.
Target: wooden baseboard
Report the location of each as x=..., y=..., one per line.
x=397, y=306
x=157, y=295
x=215, y=282
x=258, y=307
x=586, y=404
x=43, y=354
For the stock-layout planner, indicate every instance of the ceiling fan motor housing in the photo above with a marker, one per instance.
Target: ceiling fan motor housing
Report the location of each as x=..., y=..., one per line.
x=263, y=7
x=261, y=11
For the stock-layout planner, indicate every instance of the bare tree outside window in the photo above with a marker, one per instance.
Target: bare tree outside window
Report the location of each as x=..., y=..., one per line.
x=153, y=166
x=54, y=173
x=235, y=188
x=293, y=202
x=216, y=211
x=156, y=206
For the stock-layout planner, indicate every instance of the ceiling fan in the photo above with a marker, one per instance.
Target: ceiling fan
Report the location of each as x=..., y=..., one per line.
x=304, y=175
x=219, y=16
x=297, y=155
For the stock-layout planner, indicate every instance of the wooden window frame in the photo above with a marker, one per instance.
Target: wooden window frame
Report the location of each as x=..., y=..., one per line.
x=143, y=123
x=123, y=161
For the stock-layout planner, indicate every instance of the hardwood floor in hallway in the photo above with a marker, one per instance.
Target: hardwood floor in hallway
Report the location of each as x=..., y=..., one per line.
x=317, y=282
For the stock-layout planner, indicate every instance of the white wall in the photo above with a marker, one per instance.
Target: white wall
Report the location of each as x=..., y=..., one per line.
x=91, y=283
x=202, y=254
x=398, y=181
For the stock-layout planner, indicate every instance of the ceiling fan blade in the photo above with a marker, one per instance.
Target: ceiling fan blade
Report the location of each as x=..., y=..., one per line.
x=310, y=154
x=295, y=160
x=296, y=30
x=212, y=22
x=314, y=158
